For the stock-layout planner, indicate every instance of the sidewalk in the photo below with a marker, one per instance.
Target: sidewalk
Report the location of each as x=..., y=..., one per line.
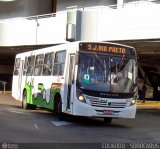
x=148, y=104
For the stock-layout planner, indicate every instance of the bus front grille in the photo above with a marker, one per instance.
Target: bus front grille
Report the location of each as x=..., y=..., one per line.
x=103, y=102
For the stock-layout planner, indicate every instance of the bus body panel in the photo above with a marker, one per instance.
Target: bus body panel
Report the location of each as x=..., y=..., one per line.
x=15, y=87
x=18, y=81
x=41, y=96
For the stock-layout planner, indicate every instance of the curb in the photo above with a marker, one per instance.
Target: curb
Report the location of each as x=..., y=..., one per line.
x=148, y=105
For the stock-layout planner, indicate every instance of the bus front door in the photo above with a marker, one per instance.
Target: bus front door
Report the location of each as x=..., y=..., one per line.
x=70, y=81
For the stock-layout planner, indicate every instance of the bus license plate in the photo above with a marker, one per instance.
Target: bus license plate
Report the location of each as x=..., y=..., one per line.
x=108, y=112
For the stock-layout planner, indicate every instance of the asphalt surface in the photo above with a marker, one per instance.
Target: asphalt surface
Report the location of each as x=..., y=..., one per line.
x=31, y=127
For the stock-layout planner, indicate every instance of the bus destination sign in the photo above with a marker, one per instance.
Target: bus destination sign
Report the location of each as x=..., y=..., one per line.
x=106, y=48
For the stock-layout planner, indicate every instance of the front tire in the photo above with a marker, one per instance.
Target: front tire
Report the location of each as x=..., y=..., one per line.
x=58, y=108
x=107, y=120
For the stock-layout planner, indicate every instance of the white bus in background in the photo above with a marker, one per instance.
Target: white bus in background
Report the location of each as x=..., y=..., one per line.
x=76, y=79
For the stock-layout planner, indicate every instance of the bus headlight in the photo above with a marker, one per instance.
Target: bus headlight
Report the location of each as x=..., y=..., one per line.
x=80, y=96
x=133, y=102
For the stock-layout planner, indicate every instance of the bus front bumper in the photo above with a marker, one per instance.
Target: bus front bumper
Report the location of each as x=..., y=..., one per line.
x=83, y=109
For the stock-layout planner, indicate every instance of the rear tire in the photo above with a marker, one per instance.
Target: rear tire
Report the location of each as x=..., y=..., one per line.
x=25, y=105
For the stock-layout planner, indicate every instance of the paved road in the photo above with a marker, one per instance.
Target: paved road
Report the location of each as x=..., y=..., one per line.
x=42, y=126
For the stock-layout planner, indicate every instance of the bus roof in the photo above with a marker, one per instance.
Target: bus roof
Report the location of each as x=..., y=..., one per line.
x=50, y=48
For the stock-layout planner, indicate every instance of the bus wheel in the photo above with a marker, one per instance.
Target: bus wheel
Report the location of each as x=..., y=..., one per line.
x=107, y=120
x=58, y=109
x=25, y=105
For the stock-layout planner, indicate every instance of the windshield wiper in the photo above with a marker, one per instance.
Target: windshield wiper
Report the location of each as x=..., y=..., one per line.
x=101, y=62
x=103, y=66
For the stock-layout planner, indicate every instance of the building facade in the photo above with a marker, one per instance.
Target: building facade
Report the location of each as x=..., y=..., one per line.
x=105, y=20
x=39, y=22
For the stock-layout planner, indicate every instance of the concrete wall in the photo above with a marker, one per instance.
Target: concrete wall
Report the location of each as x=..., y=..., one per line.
x=15, y=32
x=99, y=24
x=129, y=23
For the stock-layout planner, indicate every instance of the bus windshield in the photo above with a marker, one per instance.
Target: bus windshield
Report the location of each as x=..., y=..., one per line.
x=107, y=73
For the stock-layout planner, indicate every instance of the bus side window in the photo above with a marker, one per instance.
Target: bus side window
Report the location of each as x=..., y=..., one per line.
x=38, y=65
x=25, y=66
x=30, y=65
x=16, y=66
x=59, y=63
x=48, y=62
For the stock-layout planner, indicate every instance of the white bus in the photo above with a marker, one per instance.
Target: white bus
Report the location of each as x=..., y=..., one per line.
x=92, y=79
